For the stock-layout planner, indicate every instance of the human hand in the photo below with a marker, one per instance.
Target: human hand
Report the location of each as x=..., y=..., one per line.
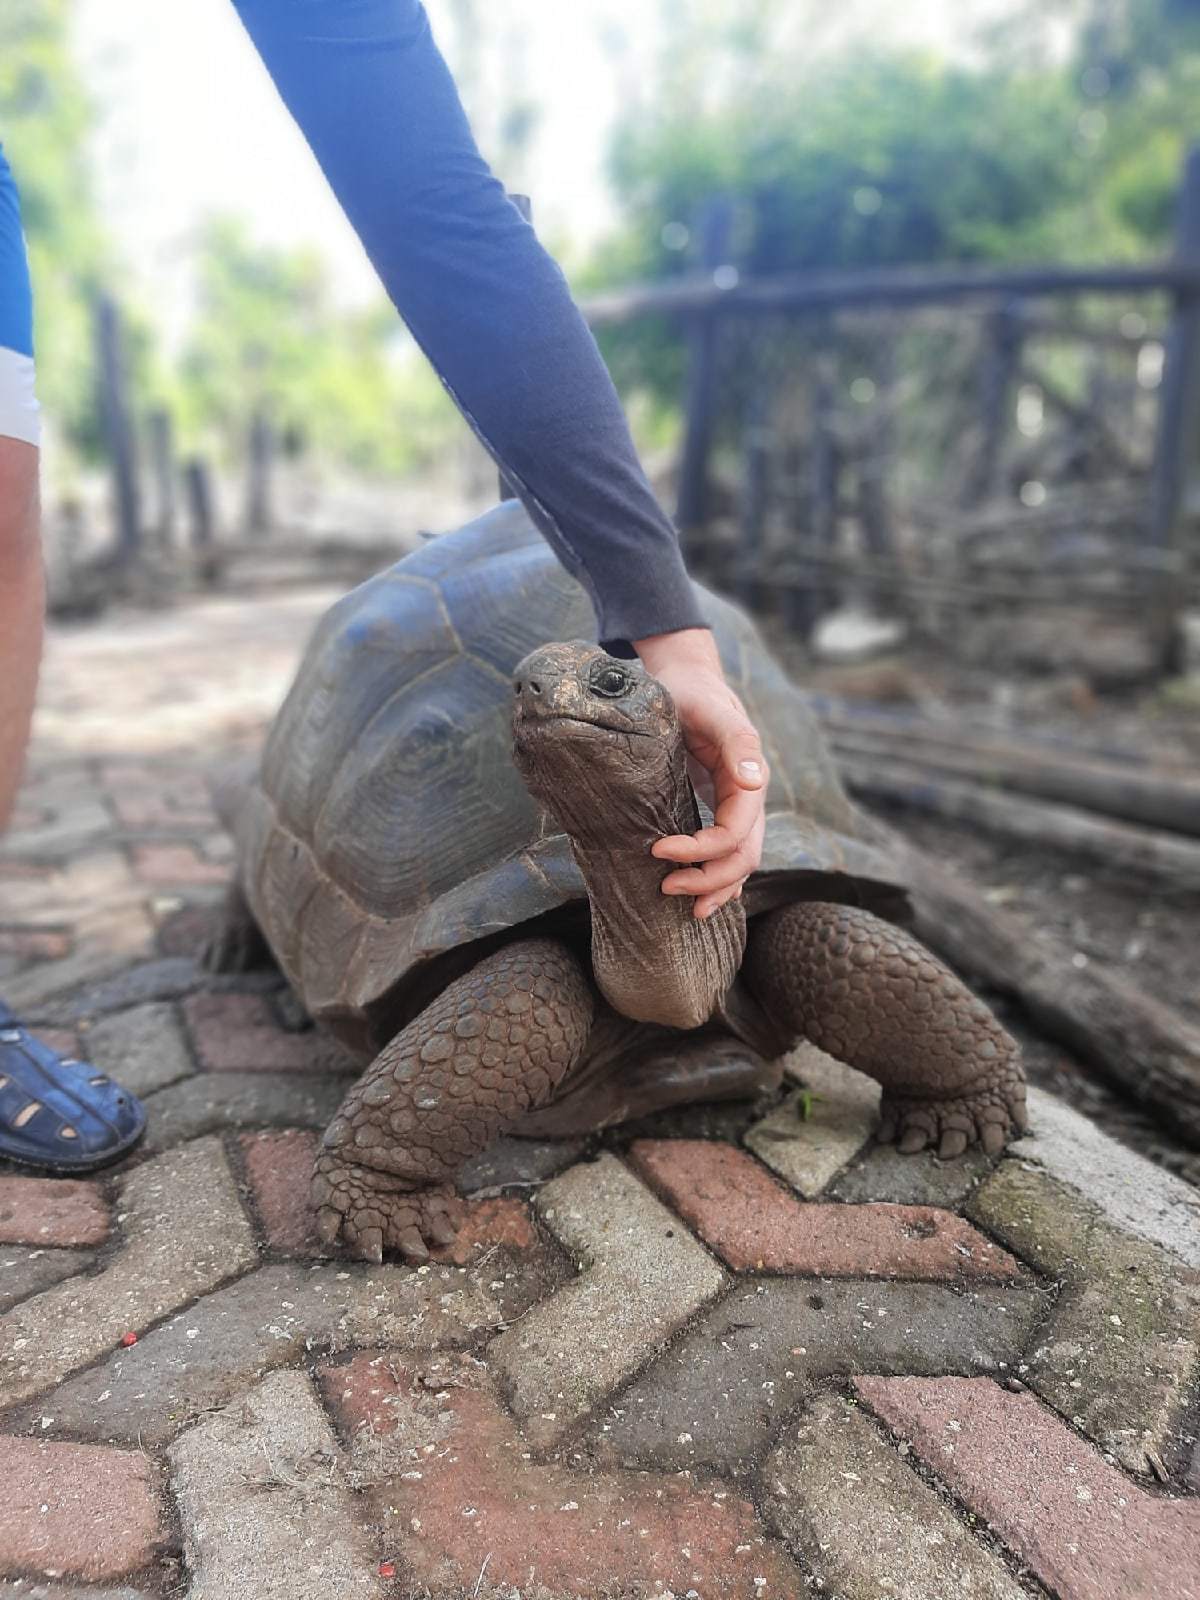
x=721, y=738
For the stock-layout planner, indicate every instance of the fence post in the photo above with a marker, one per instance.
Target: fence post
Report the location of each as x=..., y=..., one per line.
x=755, y=490
x=1177, y=445
x=198, y=488
x=997, y=374
x=809, y=600
x=716, y=227
x=117, y=427
x=260, y=455
x=162, y=457
x=524, y=205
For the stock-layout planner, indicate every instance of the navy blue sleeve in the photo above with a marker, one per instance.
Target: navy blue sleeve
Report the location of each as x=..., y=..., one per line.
x=368, y=87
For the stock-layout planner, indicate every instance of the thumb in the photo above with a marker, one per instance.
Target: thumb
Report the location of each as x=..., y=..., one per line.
x=742, y=757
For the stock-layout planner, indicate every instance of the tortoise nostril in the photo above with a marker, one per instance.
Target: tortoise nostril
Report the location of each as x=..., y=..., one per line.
x=534, y=687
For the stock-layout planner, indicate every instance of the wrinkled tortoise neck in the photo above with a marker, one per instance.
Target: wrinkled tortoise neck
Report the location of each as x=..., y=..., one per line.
x=652, y=959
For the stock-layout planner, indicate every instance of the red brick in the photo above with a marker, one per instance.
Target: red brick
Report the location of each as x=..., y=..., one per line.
x=51, y=1211
x=237, y=1033
x=279, y=1166
x=176, y=863
x=754, y=1223
x=1087, y=1531
x=476, y=1497
x=34, y=944
x=81, y=1510
x=154, y=810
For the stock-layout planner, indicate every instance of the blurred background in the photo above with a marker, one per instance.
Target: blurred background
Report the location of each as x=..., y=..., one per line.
x=217, y=362
x=904, y=303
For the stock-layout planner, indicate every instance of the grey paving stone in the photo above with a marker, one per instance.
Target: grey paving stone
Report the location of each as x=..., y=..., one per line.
x=843, y=1114
x=208, y=1353
x=1133, y=1193
x=1120, y=1353
x=862, y=1519
x=714, y=1399
x=641, y=1275
x=517, y=1164
x=918, y=1180
x=24, y=1272
x=184, y=1233
x=265, y=1507
x=212, y=1102
x=142, y=1048
x=165, y=978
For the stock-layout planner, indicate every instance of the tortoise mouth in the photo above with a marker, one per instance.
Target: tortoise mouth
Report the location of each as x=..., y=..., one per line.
x=527, y=722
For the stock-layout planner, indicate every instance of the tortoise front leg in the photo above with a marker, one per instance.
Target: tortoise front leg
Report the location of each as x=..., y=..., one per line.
x=495, y=1044
x=873, y=997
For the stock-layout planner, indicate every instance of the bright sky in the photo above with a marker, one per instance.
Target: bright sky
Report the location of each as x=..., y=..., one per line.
x=191, y=125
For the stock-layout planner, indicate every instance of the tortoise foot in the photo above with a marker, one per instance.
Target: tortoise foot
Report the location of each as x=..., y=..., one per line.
x=236, y=943
x=989, y=1117
x=375, y=1211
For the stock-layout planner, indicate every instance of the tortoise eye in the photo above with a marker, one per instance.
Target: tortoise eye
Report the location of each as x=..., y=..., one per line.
x=609, y=681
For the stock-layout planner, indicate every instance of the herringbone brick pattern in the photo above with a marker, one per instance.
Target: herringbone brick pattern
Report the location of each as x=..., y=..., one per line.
x=731, y=1353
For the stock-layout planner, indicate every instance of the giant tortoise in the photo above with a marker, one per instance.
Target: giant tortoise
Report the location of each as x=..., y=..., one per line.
x=447, y=851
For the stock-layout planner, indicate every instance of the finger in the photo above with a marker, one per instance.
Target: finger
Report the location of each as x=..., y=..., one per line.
x=711, y=878
x=738, y=814
x=708, y=903
x=706, y=845
x=742, y=757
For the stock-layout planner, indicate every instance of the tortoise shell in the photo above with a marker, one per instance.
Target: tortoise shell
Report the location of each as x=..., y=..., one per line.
x=388, y=827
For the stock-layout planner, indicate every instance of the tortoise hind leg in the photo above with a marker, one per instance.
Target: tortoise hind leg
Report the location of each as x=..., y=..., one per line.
x=236, y=943
x=870, y=995
x=494, y=1044
x=675, y=1070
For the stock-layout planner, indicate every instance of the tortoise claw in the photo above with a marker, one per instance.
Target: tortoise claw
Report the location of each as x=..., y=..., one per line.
x=329, y=1221
x=374, y=1211
x=368, y=1246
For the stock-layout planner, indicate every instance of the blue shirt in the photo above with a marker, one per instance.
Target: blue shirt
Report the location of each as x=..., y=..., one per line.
x=16, y=300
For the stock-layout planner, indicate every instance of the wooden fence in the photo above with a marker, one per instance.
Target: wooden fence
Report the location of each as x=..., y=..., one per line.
x=766, y=513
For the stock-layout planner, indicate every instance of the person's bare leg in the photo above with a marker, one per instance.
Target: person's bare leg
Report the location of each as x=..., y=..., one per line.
x=22, y=606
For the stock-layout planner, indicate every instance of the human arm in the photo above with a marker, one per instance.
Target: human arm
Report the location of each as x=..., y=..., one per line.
x=492, y=311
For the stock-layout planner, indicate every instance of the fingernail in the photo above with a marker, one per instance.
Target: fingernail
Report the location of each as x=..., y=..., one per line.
x=750, y=769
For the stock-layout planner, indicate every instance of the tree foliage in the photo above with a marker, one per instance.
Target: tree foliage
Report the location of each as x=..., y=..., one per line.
x=268, y=336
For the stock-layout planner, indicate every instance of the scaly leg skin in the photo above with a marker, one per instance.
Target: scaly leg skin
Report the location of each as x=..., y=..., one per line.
x=867, y=993
x=236, y=943
x=494, y=1044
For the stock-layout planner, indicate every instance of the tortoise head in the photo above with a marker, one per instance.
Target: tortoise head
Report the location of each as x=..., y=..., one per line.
x=597, y=741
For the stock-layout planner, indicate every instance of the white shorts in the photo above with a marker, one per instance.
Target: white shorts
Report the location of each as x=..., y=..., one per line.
x=20, y=414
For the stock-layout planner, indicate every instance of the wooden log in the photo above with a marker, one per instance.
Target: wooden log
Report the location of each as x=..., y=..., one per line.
x=1140, y=1045
x=1153, y=797
x=804, y=292
x=1159, y=858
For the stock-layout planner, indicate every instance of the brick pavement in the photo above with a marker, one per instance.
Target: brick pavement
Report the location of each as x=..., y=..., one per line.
x=731, y=1352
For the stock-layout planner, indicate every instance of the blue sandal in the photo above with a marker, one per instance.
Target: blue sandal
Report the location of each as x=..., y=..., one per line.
x=59, y=1114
